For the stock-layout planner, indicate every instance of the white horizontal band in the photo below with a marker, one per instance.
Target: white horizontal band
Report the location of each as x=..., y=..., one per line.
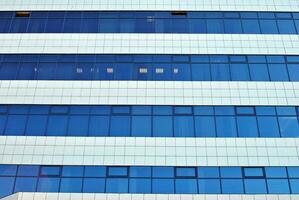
x=149, y=43
x=149, y=92
x=149, y=151
x=85, y=196
x=215, y=5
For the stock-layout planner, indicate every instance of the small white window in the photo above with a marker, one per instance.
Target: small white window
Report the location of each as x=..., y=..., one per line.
x=159, y=70
x=143, y=70
x=110, y=70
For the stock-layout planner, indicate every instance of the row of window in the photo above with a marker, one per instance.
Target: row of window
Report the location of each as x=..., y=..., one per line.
x=166, y=121
x=150, y=22
x=145, y=180
x=145, y=71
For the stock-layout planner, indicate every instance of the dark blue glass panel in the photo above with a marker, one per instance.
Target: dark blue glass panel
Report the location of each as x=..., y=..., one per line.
x=224, y=110
x=278, y=186
x=141, y=126
x=109, y=25
x=18, y=109
x=54, y=25
x=293, y=71
x=141, y=110
x=231, y=172
x=220, y=72
x=253, y=172
x=265, y=110
x=57, y=125
x=259, y=72
x=205, y=126
x=78, y=125
x=232, y=186
x=59, y=109
x=197, y=26
x=278, y=72
x=28, y=170
x=94, y=185
x=72, y=25
x=27, y=71
x=209, y=186
x=162, y=172
x=226, y=127
x=19, y=25
x=98, y=125
x=4, y=25
x=7, y=184
x=255, y=186
x=2, y=123
x=286, y=27
x=25, y=184
x=90, y=25
x=208, y=172
x=36, y=25
x=45, y=71
x=293, y=172
x=251, y=26
x=239, y=72
x=162, y=126
x=183, y=126
x=185, y=172
x=162, y=186
x=232, y=26
x=275, y=59
x=201, y=72
x=245, y=110
x=268, y=26
x=50, y=171
x=140, y=185
x=140, y=172
x=127, y=25
x=36, y=125
x=47, y=184
x=100, y=110
x=215, y=26
x=117, y=185
x=286, y=110
x=276, y=172
x=185, y=186
x=289, y=126
x=71, y=185
x=247, y=126
x=162, y=110
x=117, y=171
x=120, y=109
x=203, y=110
x=72, y=171
x=15, y=125
x=94, y=171
x=294, y=185
x=120, y=126
x=183, y=110
x=8, y=170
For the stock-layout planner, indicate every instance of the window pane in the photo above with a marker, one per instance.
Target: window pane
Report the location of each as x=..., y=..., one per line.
x=293, y=71
x=198, y=25
x=268, y=127
x=181, y=72
x=185, y=186
x=230, y=172
x=239, y=72
x=205, y=126
x=140, y=185
x=36, y=125
x=215, y=26
x=163, y=186
x=232, y=26
x=94, y=171
x=276, y=172
x=201, y=72
x=140, y=172
x=209, y=186
x=278, y=72
x=286, y=27
x=226, y=127
x=2, y=123
x=286, y=110
x=162, y=172
x=57, y=125
x=50, y=171
x=71, y=185
x=294, y=184
x=278, y=186
x=289, y=126
x=117, y=185
x=259, y=72
x=220, y=72
x=25, y=184
x=72, y=171
x=98, y=125
x=255, y=186
x=7, y=184
x=253, y=172
x=293, y=172
x=120, y=126
x=185, y=172
x=183, y=126
x=243, y=110
x=268, y=26
x=8, y=170
x=93, y=185
x=181, y=110
x=141, y=126
x=232, y=186
x=247, y=126
x=28, y=170
x=117, y=171
x=251, y=26
x=162, y=126
x=15, y=125
x=47, y=184
x=208, y=172
x=224, y=110
x=78, y=125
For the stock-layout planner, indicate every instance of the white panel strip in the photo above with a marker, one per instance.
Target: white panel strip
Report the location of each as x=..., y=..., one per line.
x=91, y=196
x=149, y=43
x=149, y=92
x=149, y=151
x=252, y=5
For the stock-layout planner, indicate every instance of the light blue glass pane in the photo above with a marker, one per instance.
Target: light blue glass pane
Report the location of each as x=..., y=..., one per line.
x=209, y=186
x=289, y=126
x=162, y=186
x=255, y=186
x=117, y=185
x=232, y=186
x=278, y=186
x=208, y=172
x=185, y=186
x=7, y=184
x=140, y=185
x=276, y=172
x=247, y=126
x=231, y=172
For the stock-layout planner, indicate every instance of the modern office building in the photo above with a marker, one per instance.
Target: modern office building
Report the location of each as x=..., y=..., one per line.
x=145, y=100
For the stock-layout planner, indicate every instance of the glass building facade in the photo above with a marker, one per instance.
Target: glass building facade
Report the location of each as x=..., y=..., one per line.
x=109, y=101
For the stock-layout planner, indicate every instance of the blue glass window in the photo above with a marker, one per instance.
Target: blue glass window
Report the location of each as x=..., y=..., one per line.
x=94, y=185
x=2, y=123
x=247, y=126
x=289, y=126
x=183, y=126
x=215, y=26
x=120, y=126
x=208, y=172
x=28, y=170
x=245, y=110
x=294, y=185
x=255, y=186
x=232, y=186
x=286, y=26
x=98, y=125
x=57, y=125
x=183, y=110
x=259, y=72
x=36, y=125
x=162, y=172
x=15, y=125
x=231, y=172
x=141, y=126
x=278, y=186
x=7, y=184
x=162, y=186
x=268, y=126
x=198, y=25
x=209, y=186
x=72, y=171
x=220, y=72
x=78, y=125
x=276, y=172
x=251, y=26
x=253, y=172
x=50, y=171
x=94, y=171
x=205, y=126
x=186, y=186
x=285, y=110
x=117, y=171
x=140, y=185
x=71, y=185
x=293, y=71
x=224, y=110
x=265, y=110
x=268, y=26
x=278, y=72
x=117, y=185
x=8, y=170
x=140, y=172
x=185, y=172
x=226, y=127
x=293, y=172
x=201, y=72
x=25, y=184
x=162, y=126
x=47, y=184
x=239, y=72
x=232, y=26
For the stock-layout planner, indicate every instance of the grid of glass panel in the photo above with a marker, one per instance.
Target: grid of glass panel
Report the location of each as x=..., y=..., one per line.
x=146, y=180
x=150, y=22
x=149, y=67
x=149, y=121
